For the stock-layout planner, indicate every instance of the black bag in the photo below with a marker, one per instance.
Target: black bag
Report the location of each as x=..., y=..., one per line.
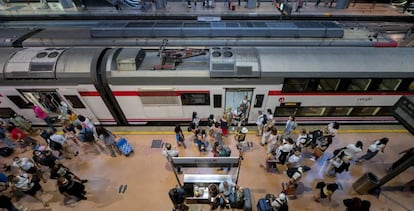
x=6, y=151
x=88, y=136
x=177, y=195
x=54, y=145
x=264, y=119
x=291, y=171
x=320, y=185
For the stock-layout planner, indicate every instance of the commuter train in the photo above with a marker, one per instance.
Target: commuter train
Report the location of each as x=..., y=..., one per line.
x=136, y=85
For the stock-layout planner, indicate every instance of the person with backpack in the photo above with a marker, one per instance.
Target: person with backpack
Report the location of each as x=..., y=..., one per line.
x=295, y=174
x=179, y=136
x=108, y=138
x=280, y=203
x=85, y=134
x=59, y=143
x=177, y=196
x=326, y=190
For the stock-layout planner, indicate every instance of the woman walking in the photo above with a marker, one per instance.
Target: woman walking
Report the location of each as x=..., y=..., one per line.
x=108, y=138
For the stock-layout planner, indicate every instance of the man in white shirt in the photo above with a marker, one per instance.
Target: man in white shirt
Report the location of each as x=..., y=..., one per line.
x=168, y=151
x=62, y=141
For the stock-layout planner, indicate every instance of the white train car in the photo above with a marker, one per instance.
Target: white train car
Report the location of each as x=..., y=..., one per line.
x=130, y=86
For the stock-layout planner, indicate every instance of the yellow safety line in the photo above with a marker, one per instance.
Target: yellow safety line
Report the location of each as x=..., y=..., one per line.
x=251, y=132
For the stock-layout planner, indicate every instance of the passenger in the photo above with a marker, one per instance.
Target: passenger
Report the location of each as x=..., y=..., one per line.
x=295, y=174
x=108, y=138
x=85, y=122
x=42, y=114
x=325, y=191
x=303, y=138
x=179, y=136
x=356, y=204
x=351, y=149
x=267, y=130
x=332, y=129
x=290, y=126
x=44, y=158
x=338, y=165
x=217, y=133
x=69, y=188
x=271, y=160
x=59, y=170
x=5, y=139
x=284, y=150
x=58, y=142
x=168, y=151
x=269, y=115
x=245, y=108
x=229, y=115
x=85, y=135
x=21, y=138
x=69, y=131
x=294, y=159
x=374, y=148
x=280, y=202
x=201, y=143
x=224, y=151
x=72, y=117
x=27, y=184
x=211, y=125
x=213, y=196
x=272, y=144
x=225, y=190
x=259, y=123
x=22, y=123
x=238, y=117
x=6, y=203
x=195, y=119
x=28, y=166
x=63, y=109
x=224, y=125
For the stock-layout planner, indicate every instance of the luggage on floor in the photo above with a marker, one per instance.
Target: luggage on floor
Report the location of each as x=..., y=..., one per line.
x=263, y=205
x=124, y=146
x=6, y=151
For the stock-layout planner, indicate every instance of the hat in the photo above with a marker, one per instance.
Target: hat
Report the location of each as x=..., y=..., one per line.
x=282, y=196
x=244, y=130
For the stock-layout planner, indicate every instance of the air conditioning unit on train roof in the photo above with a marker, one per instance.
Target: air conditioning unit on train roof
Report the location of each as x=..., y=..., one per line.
x=129, y=59
x=234, y=63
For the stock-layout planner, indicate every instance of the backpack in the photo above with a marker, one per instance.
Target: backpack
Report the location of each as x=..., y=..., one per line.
x=228, y=151
x=88, y=135
x=54, y=145
x=177, y=195
x=291, y=171
x=284, y=206
x=6, y=151
x=264, y=119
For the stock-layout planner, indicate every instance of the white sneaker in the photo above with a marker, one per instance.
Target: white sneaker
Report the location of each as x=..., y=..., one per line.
x=312, y=158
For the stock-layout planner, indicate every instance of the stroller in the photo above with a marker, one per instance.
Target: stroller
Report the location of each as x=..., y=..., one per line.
x=177, y=196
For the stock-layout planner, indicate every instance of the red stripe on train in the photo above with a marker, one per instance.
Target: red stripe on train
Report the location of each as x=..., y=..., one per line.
x=391, y=44
x=144, y=93
x=279, y=93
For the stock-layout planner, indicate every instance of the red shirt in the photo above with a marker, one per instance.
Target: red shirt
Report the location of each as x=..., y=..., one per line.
x=14, y=134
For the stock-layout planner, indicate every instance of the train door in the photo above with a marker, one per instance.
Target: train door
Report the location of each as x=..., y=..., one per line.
x=50, y=101
x=239, y=97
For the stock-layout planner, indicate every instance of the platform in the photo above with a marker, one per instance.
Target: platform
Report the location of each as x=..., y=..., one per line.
x=149, y=177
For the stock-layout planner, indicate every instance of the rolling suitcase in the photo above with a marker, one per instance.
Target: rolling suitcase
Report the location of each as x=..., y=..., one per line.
x=263, y=205
x=124, y=146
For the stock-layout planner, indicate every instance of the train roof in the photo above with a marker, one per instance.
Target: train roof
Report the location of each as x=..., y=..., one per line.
x=275, y=61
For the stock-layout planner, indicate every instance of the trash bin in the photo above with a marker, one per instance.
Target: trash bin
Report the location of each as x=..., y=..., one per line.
x=365, y=183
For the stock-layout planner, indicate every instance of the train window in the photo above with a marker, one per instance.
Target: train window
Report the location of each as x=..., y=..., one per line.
x=159, y=100
x=359, y=85
x=74, y=101
x=195, y=98
x=310, y=111
x=6, y=113
x=259, y=101
x=338, y=111
x=411, y=86
x=385, y=111
x=285, y=111
x=19, y=101
x=365, y=111
x=295, y=85
x=217, y=101
x=328, y=84
x=389, y=84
